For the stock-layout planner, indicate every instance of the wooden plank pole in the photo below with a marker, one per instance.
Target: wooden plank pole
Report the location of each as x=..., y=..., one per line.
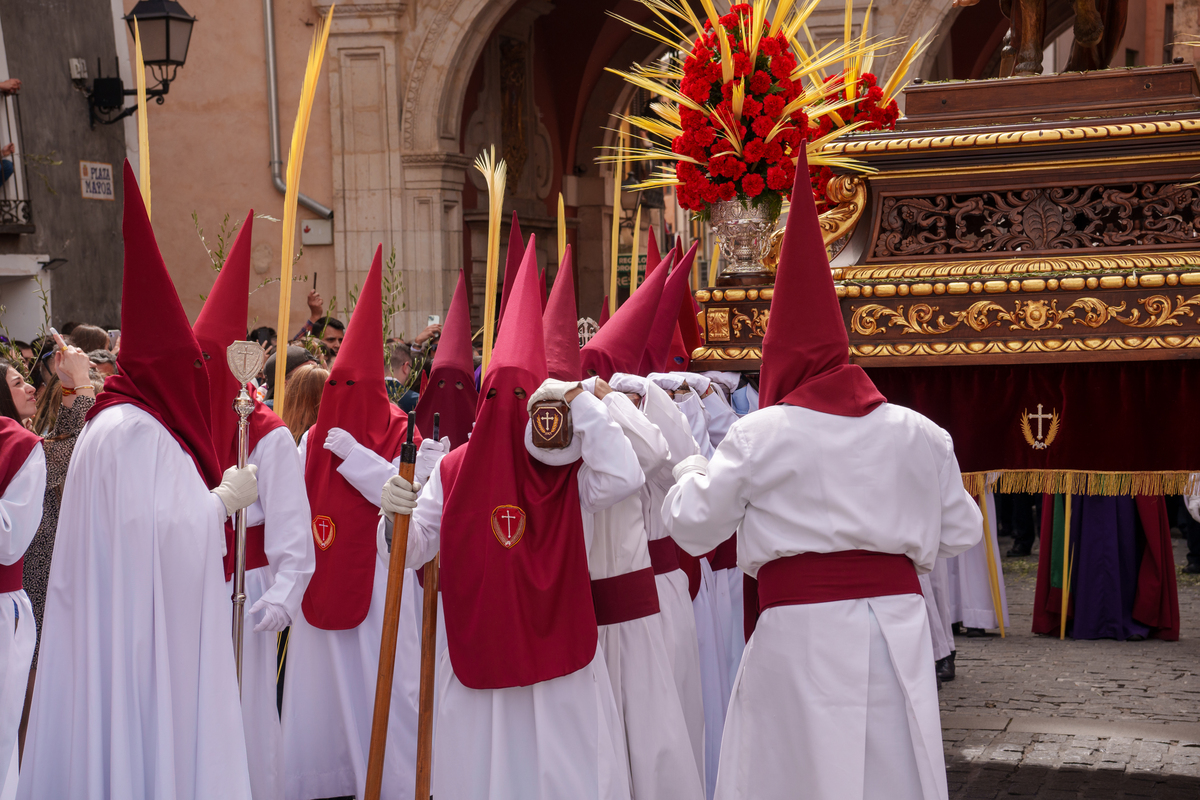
x=429, y=615
x=391, y=628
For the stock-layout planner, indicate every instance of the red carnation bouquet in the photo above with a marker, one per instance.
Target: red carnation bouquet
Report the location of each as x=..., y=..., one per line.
x=744, y=146
x=736, y=100
x=870, y=111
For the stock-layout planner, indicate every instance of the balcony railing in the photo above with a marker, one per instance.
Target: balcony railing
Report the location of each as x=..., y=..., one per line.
x=16, y=213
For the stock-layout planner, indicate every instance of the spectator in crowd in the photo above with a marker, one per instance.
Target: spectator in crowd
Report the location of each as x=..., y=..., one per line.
x=296, y=356
x=104, y=362
x=397, y=377
x=321, y=325
x=331, y=332
x=89, y=337
x=303, y=398
x=61, y=412
x=26, y=351
x=264, y=336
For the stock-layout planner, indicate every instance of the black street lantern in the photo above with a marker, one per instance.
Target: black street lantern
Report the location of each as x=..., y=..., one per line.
x=166, y=30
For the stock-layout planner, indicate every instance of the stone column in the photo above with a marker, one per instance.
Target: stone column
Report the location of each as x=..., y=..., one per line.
x=364, y=87
x=430, y=240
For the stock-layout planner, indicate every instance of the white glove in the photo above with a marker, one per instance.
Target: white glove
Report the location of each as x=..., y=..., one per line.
x=551, y=390
x=399, y=496
x=428, y=455
x=340, y=443
x=628, y=384
x=275, y=617
x=670, y=381
x=696, y=463
x=238, y=489
x=589, y=384
x=697, y=382
x=729, y=381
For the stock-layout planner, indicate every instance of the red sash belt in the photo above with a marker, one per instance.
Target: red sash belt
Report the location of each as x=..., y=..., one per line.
x=827, y=577
x=10, y=576
x=256, y=553
x=725, y=556
x=624, y=597
x=663, y=555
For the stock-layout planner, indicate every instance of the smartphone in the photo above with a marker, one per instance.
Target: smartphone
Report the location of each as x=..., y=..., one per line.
x=113, y=336
x=434, y=319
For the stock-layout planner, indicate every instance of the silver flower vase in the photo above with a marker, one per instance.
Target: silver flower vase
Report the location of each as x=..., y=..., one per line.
x=744, y=234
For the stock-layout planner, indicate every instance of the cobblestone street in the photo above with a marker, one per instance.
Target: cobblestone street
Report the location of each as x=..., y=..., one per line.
x=1032, y=716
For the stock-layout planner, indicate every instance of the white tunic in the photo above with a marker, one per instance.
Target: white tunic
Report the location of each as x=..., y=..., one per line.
x=555, y=739
x=136, y=695
x=674, y=599
x=827, y=688
x=329, y=692
x=20, y=516
x=662, y=764
x=970, y=587
x=936, y=588
x=283, y=506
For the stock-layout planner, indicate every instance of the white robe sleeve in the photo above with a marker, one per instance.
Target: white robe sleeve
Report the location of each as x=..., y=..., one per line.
x=661, y=410
x=367, y=471
x=610, y=470
x=720, y=417
x=697, y=419
x=21, y=507
x=647, y=440
x=288, y=535
x=702, y=508
x=962, y=521
x=424, y=531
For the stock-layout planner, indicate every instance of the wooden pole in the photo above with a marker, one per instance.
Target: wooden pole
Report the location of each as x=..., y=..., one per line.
x=633, y=260
x=391, y=629
x=993, y=575
x=1066, y=574
x=429, y=618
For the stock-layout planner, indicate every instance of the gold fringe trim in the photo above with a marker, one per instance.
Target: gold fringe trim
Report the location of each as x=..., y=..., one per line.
x=1081, y=482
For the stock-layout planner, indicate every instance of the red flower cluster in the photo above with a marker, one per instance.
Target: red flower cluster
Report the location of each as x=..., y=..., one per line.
x=869, y=109
x=765, y=165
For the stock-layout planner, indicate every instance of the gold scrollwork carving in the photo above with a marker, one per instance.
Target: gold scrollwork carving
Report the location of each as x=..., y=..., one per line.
x=1009, y=138
x=755, y=324
x=717, y=324
x=727, y=354
x=984, y=267
x=865, y=319
x=1026, y=315
x=847, y=195
x=1010, y=347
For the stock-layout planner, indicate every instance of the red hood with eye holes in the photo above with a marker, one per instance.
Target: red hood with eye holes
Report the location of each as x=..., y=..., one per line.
x=450, y=391
x=344, y=522
x=515, y=588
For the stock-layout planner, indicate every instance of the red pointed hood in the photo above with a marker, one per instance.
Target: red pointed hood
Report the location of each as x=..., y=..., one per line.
x=515, y=586
x=162, y=368
x=450, y=390
x=806, y=351
x=604, y=315
x=666, y=318
x=560, y=325
x=653, y=256
x=354, y=399
x=512, y=265
x=621, y=343
x=222, y=322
